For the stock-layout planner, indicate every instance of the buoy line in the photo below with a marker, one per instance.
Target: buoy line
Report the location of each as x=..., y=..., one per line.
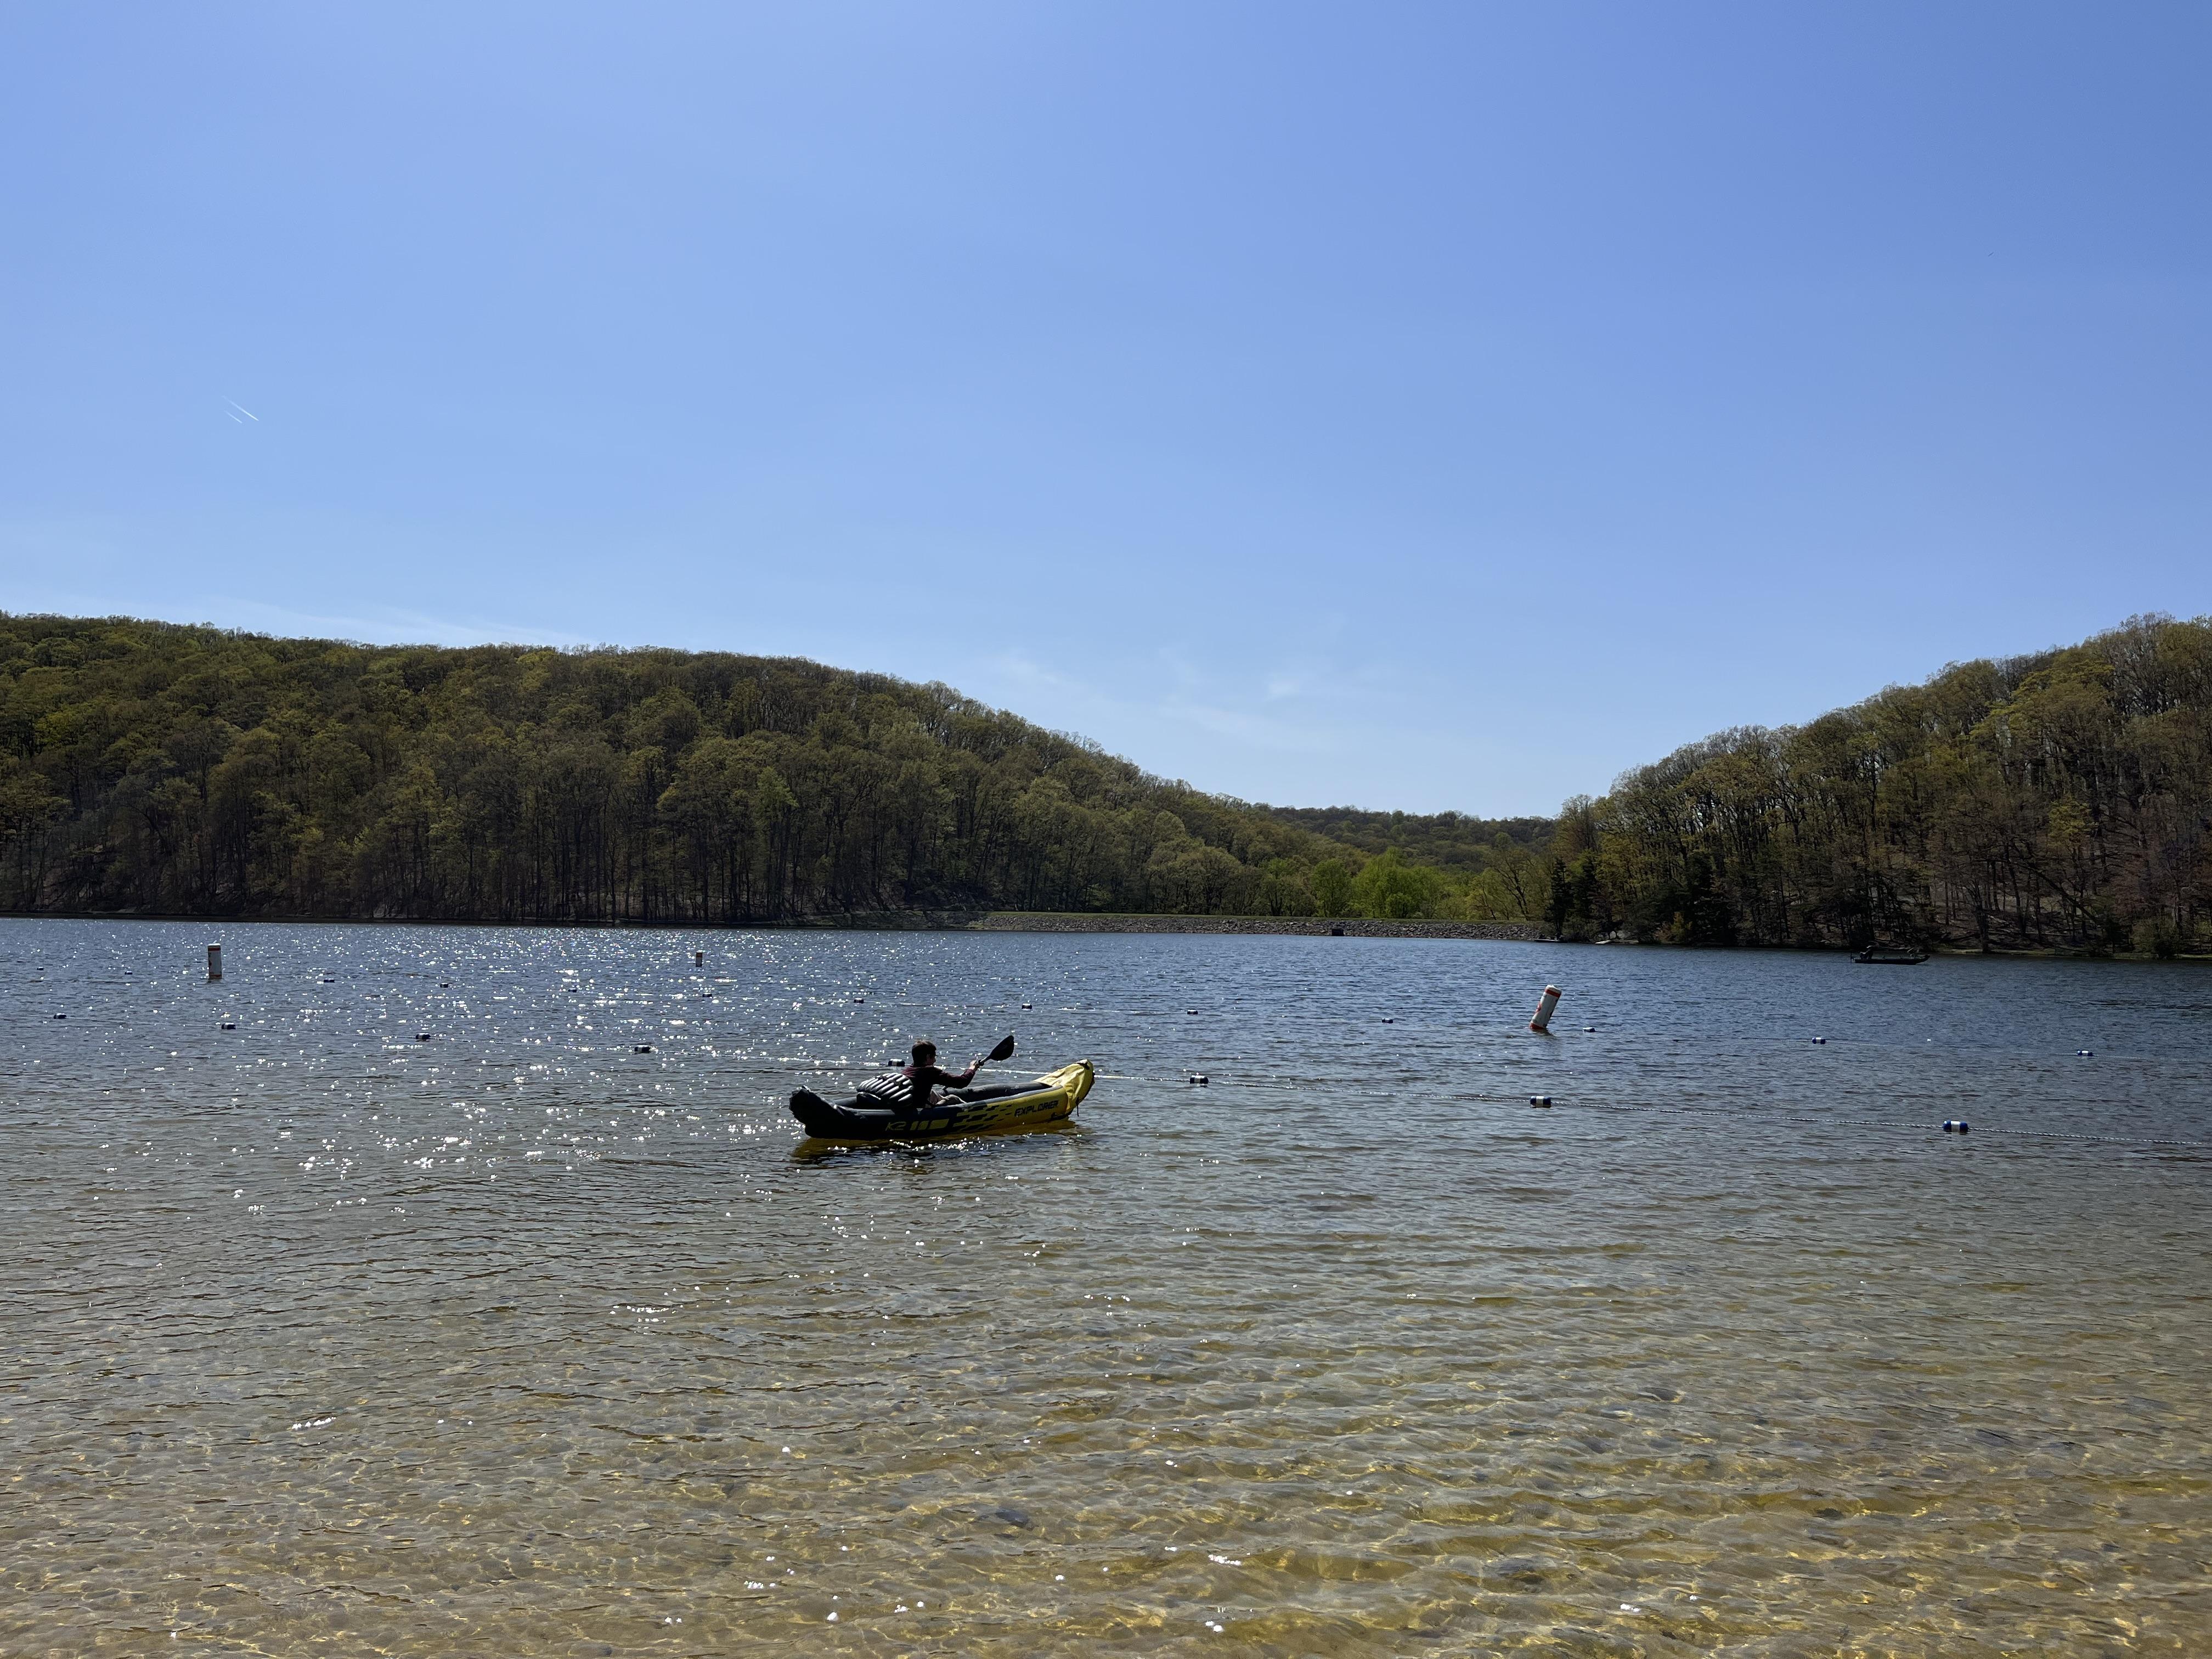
x=2106, y=1140
x=1253, y=1014
x=1415, y=1026
x=1786, y=1113
x=1791, y=1114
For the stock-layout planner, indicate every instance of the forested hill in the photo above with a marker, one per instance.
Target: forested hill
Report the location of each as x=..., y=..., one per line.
x=149, y=767
x=2061, y=799
x=1450, y=841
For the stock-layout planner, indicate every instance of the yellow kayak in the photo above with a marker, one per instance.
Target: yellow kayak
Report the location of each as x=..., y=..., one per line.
x=1048, y=1099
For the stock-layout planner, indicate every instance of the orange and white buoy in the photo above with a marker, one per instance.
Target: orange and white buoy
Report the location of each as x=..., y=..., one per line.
x=1542, y=1019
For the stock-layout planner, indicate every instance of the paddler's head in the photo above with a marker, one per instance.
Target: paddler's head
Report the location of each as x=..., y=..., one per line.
x=925, y=1052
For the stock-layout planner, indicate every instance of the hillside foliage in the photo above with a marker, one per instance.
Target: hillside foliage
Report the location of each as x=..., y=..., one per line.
x=150, y=768
x=2062, y=799
x=1449, y=840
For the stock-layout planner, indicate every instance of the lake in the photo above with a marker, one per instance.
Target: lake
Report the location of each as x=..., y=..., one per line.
x=384, y=1298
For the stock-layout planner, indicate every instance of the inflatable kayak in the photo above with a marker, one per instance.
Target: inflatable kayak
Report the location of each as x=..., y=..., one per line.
x=969, y=1112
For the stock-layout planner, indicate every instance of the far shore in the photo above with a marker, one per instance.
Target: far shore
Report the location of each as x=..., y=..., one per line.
x=1070, y=922
x=1050, y=921
x=941, y=921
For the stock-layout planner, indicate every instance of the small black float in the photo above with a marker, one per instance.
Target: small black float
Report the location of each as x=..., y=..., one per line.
x=421, y=1037
x=642, y=1048
x=1539, y=1100
x=1200, y=1079
x=2085, y=1054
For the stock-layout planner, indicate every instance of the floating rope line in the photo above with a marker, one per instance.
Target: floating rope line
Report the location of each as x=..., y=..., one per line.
x=2106, y=1140
x=1767, y=1115
x=1799, y=1115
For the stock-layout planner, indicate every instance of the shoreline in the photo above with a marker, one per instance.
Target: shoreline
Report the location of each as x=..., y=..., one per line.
x=1063, y=921
x=1076, y=922
x=888, y=921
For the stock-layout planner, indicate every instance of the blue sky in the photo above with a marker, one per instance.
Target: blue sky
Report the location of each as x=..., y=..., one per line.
x=1407, y=405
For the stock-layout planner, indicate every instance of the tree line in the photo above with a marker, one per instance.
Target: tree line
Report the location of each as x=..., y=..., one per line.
x=2061, y=799
x=157, y=768
x=2056, y=800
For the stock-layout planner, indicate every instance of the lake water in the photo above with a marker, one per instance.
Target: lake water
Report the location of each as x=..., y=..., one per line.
x=321, y=1337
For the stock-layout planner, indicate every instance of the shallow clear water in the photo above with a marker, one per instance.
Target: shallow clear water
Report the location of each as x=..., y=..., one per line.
x=513, y=1340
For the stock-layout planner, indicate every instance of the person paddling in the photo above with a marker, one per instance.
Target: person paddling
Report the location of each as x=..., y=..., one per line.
x=924, y=1077
x=909, y=1089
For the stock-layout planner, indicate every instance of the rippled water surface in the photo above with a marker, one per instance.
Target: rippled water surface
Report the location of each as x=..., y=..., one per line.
x=414, y=1311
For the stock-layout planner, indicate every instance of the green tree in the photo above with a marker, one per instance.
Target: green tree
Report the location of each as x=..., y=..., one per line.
x=1388, y=886
x=1332, y=888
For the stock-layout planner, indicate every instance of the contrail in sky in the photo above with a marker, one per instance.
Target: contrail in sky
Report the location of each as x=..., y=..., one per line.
x=242, y=409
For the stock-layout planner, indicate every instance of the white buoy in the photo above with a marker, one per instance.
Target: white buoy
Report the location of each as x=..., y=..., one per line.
x=1542, y=1020
x=214, y=962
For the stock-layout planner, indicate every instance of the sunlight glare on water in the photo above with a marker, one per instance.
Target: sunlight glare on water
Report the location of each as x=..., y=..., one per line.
x=423, y=1290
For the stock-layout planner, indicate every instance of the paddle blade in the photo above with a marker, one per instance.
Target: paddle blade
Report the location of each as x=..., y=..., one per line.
x=1003, y=1051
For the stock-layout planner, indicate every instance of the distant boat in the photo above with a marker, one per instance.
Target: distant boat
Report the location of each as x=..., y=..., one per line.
x=1888, y=957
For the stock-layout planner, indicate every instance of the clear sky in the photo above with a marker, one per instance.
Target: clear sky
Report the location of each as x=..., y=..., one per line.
x=1406, y=405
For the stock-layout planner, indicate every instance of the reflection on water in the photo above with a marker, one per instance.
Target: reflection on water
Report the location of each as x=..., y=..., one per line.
x=420, y=1313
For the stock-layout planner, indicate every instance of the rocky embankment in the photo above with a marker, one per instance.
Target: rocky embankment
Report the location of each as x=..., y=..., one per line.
x=1036, y=922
